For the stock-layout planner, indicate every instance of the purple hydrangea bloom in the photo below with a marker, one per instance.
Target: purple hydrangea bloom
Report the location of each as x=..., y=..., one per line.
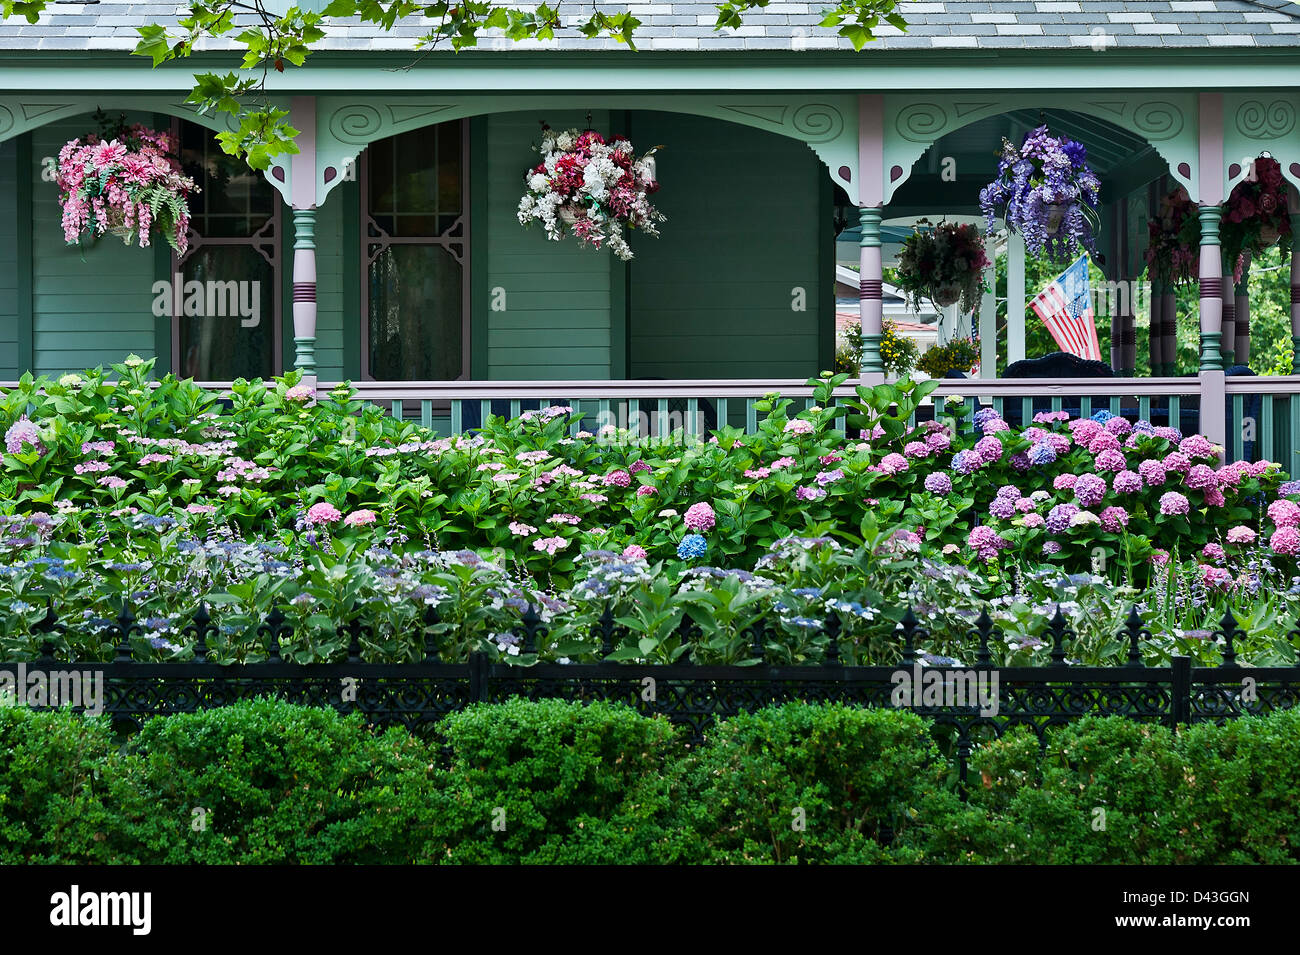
x=938, y=483
x=1127, y=482
x=1089, y=489
x=967, y=462
x=1058, y=519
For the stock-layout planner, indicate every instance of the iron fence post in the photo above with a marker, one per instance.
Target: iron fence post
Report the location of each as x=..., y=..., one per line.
x=478, y=677
x=1180, y=674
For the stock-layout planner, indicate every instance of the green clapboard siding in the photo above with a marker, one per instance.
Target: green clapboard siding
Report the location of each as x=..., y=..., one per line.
x=714, y=297
x=549, y=302
x=91, y=306
x=9, y=369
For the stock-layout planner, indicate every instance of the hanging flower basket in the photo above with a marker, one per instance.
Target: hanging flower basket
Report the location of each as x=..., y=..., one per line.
x=946, y=294
x=1174, y=240
x=1255, y=217
x=945, y=264
x=124, y=180
x=1046, y=193
x=594, y=190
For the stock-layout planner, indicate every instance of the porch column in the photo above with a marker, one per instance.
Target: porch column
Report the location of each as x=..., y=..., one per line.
x=1228, y=343
x=1241, y=347
x=1295, y=280
x=989, y=319
x=302, y=114
x=1015, y=297
x=1155, y=329
x=1211, y=280
x=870, y=301
x=304, y=291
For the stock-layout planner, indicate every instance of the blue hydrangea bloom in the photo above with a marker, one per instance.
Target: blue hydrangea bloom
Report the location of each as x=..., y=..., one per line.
x=1042, y=453
x=1101, y=417
x=984, y=416
x=692, y=546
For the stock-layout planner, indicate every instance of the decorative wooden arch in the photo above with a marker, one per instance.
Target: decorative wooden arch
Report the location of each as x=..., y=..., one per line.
x=826, y=123
x=22, y=114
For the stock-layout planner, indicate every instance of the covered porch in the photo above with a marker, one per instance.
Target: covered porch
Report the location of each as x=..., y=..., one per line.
x=739, y=302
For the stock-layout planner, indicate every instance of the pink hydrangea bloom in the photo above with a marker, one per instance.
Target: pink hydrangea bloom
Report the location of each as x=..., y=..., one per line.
x=1153, y=473
x=299, y=393
x=1172, y=503
x=361, y=518
x=809, y=493
x=1127, y=482
x=323, y=512
x=1114, y=519
x=21, y=434
x=757, y=474
x=1214, y=552
x=1197, y=446
x=1111, y=461
x=1160, y=558
x=780, y=463
x=1105, y=441
x=634, y=552
x=938, y=440
x=550, y=544
x=799, y=426
x=645, y=490
x=916, y=449
x=986, y=542
x=989, y=449
x=1065, y=482
x=1214, y=498
x=520, y=529
x=1285, y=540
x=618, y=478
x=994, y=425
x=1175, y=461
x=1284, y=513
x=1200, y=477
x=1216, y=578
x=1118, y=426
x=894, y=463
x=1241, y=534
x=1034, y=520
x=1084, y=431
x=700, y=517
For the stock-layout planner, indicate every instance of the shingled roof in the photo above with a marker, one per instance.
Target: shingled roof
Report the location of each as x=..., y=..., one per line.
x=688, y=25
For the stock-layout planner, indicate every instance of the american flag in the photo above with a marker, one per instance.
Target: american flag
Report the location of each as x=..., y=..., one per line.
x=1065, y=307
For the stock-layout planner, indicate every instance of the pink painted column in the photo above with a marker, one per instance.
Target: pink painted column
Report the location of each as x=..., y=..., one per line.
x=302, y=112
x=871, y=195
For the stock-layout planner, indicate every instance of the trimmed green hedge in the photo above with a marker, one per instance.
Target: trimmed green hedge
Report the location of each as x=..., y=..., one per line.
x=558, y=782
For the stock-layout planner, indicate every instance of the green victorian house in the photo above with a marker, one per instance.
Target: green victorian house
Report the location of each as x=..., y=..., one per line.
x=388, y=251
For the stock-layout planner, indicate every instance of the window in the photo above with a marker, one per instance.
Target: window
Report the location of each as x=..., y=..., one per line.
x=228, y=324
x=414, y=256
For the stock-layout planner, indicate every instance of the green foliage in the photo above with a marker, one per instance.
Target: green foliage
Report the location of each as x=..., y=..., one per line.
x=268, y=782
x=52, y=787
x=807, y=783
x=558, y=782
x=553, y=782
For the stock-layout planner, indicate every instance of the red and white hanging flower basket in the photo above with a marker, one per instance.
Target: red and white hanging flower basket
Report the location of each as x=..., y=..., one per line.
x=595, y=190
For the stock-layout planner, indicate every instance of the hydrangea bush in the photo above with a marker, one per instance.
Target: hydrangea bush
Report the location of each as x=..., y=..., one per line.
x=143, y=489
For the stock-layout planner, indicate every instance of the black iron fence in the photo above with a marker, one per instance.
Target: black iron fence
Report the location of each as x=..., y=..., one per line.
x=966, y=704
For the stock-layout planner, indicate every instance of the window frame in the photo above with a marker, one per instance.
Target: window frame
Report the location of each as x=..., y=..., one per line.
x=266, y=241
x=456, y=241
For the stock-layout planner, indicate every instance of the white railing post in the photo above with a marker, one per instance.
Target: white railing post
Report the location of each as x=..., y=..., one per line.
x=1015, y=297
